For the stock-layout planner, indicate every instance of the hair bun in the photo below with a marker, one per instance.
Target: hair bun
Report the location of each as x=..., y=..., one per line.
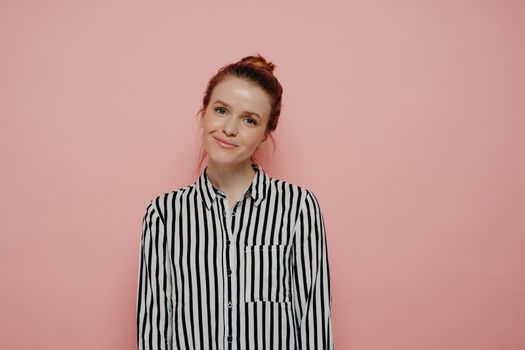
x=259, y=61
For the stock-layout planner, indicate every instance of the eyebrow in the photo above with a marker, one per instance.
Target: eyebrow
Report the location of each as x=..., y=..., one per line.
x=227, y=105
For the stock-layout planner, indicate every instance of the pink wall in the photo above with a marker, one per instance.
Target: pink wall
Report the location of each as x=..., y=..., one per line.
x=405, y=117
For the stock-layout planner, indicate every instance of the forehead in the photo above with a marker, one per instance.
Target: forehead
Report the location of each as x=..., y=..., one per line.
x=242, y=95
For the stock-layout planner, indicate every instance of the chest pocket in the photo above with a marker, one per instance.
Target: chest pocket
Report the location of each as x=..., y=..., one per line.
x=266, y=273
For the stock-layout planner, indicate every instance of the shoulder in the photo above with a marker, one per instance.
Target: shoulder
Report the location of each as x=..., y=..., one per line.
x=301, y=193
x=160, y=202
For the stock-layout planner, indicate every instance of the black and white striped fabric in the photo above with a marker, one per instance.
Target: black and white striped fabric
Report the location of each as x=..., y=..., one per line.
x=255, y=276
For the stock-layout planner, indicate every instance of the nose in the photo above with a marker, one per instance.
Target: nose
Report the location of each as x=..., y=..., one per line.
x=230, y=126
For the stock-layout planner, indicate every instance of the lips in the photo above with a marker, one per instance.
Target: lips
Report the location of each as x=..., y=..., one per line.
x=225, y=142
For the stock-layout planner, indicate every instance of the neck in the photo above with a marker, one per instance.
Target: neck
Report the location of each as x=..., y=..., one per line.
x=230, y=178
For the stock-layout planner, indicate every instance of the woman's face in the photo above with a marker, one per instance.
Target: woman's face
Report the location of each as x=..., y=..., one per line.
x=238, y=113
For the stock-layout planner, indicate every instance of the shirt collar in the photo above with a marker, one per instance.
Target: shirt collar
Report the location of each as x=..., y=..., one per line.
x=257, y=189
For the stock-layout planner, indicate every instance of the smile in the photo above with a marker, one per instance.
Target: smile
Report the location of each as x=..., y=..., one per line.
x=224, y=144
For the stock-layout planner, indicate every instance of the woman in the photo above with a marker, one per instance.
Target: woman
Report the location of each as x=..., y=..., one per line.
x=238, y=259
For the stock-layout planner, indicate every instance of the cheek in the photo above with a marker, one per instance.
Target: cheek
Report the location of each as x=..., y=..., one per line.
x=253, y=139
x=211, y=123
x=214, y=122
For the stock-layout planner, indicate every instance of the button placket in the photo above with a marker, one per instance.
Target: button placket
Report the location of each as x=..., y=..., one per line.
x=230, y=295
x=170, y=314
x=170, y=304
x=230, y=266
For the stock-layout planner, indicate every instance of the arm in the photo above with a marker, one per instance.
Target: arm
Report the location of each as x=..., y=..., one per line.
x=311, y=286
x=154, y=306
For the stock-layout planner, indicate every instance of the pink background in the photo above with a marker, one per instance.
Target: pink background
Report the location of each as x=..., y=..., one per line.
x=406, y=118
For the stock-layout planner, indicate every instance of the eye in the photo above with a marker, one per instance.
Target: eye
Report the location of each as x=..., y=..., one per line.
x=253, y=120
x=221, y=108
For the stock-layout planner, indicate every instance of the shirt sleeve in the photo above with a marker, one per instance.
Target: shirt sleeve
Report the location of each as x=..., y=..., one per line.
x=312, y=302
x=154, y=304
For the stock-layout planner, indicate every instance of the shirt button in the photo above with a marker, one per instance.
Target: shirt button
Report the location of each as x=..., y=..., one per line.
x=228, y=241
x=229, y=304
x=225, y=213
x=229, y=272
x=230, y=339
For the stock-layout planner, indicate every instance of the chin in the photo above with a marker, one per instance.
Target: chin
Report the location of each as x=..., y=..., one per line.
x=218, y=157
x=225, y=159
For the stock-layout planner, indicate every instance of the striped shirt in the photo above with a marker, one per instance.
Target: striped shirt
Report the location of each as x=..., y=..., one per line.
x=254, y=276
